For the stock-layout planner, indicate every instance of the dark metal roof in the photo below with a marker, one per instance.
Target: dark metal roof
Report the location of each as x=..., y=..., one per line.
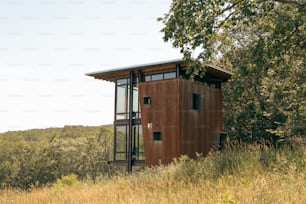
x=113, y=74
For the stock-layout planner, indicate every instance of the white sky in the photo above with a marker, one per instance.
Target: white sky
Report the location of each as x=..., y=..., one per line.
x=47, y=46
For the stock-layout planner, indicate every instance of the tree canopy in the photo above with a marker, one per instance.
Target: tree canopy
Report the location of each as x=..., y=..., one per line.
x=263, y=43
x=41, y=156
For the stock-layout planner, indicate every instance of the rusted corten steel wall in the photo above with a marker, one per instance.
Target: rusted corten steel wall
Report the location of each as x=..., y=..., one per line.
x=197, y=127
x=184, y=130
x=163, y=114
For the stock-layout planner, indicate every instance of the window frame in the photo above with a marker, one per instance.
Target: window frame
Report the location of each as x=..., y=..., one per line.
x=147, y=100
x=196, y=101
x=157, y=136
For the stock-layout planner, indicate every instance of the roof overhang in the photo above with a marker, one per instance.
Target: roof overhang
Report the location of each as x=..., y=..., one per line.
x=116, y=73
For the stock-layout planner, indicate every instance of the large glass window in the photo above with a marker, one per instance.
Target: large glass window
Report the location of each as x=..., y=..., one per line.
x=140, y=144
x=121, y=142
x=136, y=107
x=137, y=143
x=123, y=121
x=122, y=99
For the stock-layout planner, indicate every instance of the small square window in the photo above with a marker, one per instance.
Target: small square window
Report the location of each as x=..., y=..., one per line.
x=147, y=100
x=157, y=136
x=196, y=101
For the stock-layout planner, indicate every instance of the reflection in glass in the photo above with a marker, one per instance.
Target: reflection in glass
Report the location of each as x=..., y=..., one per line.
x=121, y=143
x=148, y=78
x=121, y=99
x=137, y=143
x=135, y=102
x=122, y=81
x=128, y=101
x=170, y=75
x=157, y=77
x=122, y=128
x=140, y=144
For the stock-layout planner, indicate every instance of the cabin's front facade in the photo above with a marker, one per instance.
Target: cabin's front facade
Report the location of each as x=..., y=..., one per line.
x=160, y=114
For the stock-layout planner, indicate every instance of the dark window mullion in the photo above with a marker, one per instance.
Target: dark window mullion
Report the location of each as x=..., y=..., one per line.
x=126, y=142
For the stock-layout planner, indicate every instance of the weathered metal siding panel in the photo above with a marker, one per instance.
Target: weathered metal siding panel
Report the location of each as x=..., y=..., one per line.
x=184, y=130
x=163, y=114
x=197, y=127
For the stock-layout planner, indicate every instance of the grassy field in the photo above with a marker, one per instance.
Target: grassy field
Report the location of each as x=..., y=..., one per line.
x=244, y=175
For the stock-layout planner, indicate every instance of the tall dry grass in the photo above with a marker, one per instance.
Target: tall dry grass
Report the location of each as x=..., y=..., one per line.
x=241, y=175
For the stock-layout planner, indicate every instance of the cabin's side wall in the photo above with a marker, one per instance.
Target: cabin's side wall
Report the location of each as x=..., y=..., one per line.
x=198, y=127
x=161, y=115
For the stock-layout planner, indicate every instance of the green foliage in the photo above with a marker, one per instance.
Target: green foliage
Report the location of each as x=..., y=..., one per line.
x=263, y=43
x=187, y=169
x=241, y=160
x=68, y=180
x=215, y=25
x=241, y=174
x=40, y=157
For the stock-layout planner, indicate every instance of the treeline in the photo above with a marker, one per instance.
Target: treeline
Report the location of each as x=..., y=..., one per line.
x=40, y=156
x=264, y=44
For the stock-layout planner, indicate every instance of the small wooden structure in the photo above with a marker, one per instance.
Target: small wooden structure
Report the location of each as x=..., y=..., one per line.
x=160, y=114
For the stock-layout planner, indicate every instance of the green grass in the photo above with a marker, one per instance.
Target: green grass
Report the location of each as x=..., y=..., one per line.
x=245, y=174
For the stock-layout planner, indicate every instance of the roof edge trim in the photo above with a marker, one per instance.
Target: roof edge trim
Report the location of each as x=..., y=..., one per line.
x=98, y=74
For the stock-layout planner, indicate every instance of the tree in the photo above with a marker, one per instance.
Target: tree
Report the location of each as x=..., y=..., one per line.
x=263, y=43
x=40, y=157
x=206, y=27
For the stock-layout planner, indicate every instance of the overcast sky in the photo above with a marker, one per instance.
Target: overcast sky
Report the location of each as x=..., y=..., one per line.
x=47, y=46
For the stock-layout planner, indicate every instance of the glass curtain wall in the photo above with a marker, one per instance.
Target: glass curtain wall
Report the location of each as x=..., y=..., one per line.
x=122, y=122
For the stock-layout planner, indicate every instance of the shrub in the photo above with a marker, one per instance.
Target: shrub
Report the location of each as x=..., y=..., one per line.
x=67, y=180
